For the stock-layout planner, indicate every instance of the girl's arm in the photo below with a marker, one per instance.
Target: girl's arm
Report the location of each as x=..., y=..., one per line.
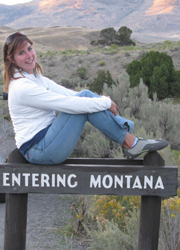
x=28, y=93
x=59, y=89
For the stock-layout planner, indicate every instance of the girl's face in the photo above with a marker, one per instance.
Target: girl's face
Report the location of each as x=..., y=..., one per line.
x=25, y=58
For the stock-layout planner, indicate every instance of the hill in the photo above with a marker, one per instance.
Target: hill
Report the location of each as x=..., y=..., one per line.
x=150, y=20
x=56, y=38
x=62, y=50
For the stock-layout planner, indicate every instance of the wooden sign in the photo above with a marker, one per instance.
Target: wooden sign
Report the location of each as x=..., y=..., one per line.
x=146, y=177
x=88, y=179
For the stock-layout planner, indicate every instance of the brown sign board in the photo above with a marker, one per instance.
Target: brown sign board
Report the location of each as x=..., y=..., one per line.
x=88, y=179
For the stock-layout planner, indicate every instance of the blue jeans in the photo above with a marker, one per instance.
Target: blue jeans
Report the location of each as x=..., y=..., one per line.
x=64, y=132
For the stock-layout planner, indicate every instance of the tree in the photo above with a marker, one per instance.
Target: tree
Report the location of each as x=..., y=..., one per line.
x=174, y=87
x=98, y=83
x=155, y=59
x=159, y=83
x=109, y=80
x=133, y=70
x=102, y=78
x=158, y=73
x=123, y=36
x=109, y=36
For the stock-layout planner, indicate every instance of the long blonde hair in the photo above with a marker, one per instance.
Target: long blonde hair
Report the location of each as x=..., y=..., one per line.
x=8, y=57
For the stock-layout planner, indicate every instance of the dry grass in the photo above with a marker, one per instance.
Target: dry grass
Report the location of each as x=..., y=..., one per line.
x=56, y=38
x=75, y=42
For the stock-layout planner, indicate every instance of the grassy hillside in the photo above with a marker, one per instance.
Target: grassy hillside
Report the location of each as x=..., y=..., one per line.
x=62, y=50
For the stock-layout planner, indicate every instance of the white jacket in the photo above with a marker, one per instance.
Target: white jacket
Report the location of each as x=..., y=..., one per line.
x=33, y=101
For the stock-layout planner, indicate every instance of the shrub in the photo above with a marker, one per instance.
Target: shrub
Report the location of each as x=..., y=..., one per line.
x=96, y=145
x=167, y=42
x=82, y=71
x=158, y=73
x=114, y=207
x=68, y=83
x=106, y=237
x=80, y=60
x=170, y=224
x=93, y=42
x=164, y=118
x=127, y=53
x=102, y=78
x=110, y=236
x=113, y=47
x=64, y=58
x=160, y=119
x=80, y=215
x=5, y=110
x=102, y=63
x=101, y=42
x=98, y=83
x=137, y=97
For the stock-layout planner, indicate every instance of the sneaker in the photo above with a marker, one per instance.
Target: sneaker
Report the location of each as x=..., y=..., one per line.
x=144, y=146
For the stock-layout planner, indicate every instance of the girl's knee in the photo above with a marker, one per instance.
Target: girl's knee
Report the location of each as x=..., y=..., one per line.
x=86, y=93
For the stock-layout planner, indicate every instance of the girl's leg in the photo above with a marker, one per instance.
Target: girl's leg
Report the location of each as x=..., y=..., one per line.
x=114, y=127
x=64, y=133
x=59, y=141
x=128, y=141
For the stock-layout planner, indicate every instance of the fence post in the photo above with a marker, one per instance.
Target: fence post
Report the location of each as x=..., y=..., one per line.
x=16, y=214
x=150, y=210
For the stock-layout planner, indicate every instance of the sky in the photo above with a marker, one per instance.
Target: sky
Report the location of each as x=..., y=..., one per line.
x=12, y=2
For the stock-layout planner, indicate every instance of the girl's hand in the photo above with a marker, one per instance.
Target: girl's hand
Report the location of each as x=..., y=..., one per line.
x=114, y=108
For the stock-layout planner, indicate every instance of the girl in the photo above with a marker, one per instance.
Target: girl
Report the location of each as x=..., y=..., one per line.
x=40, y=136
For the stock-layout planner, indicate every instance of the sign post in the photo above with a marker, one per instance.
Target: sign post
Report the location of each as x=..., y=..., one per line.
x=16, y=214
x=150, y=210
x=148, y=178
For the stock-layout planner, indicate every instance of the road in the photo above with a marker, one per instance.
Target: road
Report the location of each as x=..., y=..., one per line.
x=47, y=215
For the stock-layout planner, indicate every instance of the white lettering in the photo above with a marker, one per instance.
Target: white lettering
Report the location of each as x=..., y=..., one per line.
x=118, y=181
x=45, y=180
x=53, y=180
x=60, y=180
x=34, y=180
x=5, y=179
x=26, y=179
x=128, y=177
x=109, y=179
x=69, y=181
x=159, y=183
x=137, y=183
x=148, y=181
x=95, y=183
x=16, y=179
